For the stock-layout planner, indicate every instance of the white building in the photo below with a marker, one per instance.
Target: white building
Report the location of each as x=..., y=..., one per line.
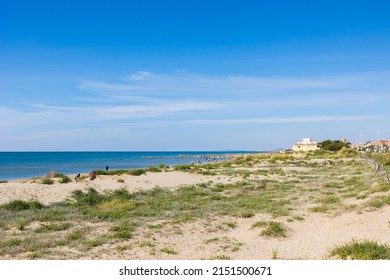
x=305, y=146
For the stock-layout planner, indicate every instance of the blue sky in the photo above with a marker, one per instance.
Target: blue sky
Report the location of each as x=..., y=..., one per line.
x=191, y=75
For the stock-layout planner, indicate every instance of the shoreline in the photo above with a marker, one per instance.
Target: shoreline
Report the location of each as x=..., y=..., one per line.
x=116, y=161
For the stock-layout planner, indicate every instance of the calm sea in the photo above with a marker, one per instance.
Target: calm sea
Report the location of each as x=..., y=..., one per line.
x=18, y=165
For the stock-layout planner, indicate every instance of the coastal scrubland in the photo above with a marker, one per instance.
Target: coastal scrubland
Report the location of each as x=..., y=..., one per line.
x=322, y=205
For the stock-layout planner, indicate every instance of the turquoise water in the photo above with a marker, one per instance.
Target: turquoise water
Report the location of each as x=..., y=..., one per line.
x=18, y=165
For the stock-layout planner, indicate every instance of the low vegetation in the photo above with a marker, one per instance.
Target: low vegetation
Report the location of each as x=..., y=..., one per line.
x=382, y=158
x=362, y=250
x=333, y=145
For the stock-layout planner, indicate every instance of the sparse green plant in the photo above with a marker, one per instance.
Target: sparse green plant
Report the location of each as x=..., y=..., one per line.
x=275, y=254
x=20, y=205
x=124, y=247
x=146, y=243
x=44, y=228
x=168, y=251
x=382, y=158
x=21, y=224
x=123, y=231
x=331, y=199
x=362, y=250
x=89, y=198
x=259, y=224
x=280, y=157
x=76, y=235
x=232, y=225
x=72, y=238
x=320, y=209
x=34, y=256
x=4, y=226
x=121, y=181
x=184, y=167
x=47, y=181
x=379, y=201
x=137, y=172
x=221, y=257
x=274, y=229
x=64, y=179
x=11, y=242
x=334, y=146
x=91, y=243
x=347, y=152
x=211, y=240
x=153, y=169
x=247, y=214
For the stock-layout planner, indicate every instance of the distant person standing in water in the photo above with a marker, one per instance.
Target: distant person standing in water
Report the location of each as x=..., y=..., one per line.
x=106, y=168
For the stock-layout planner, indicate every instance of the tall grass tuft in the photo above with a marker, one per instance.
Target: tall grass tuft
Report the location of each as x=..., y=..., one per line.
x=363, y=250
x=20, y=205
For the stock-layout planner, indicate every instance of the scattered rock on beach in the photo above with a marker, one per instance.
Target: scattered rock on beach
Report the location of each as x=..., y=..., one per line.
x=92, y=175
x=52, y=174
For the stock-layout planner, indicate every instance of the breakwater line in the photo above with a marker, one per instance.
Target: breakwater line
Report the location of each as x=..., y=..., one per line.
x=19, y=165
x=208, y=156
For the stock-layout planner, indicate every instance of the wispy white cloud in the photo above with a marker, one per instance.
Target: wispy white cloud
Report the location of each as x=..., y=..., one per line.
x=226, y=88
x=140, y=75
x=149, y=95
x=146, y=99
x=41, y=114
x=305, y=119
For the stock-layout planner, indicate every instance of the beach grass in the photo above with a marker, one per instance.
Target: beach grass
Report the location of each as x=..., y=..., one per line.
x=362, y=250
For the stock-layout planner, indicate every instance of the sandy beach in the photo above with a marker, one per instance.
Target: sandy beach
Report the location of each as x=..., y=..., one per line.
x=322, y=203
x=26, y=189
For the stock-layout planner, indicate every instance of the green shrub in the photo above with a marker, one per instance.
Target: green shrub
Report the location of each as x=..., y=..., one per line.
x=183, y=167
x=89, y=198
x=153, y=169
x=53, y=227
x=347, y=152
x=137, y=172
x=20, y=205
x=334, y=146
x=379, y=201
x=364, y=250
x=280, y=157
x=382, y=158
x=21, y=224
x=47, y=181
x=274, y=229
x=64, y=179
x=168, y=251
x=123, y=231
